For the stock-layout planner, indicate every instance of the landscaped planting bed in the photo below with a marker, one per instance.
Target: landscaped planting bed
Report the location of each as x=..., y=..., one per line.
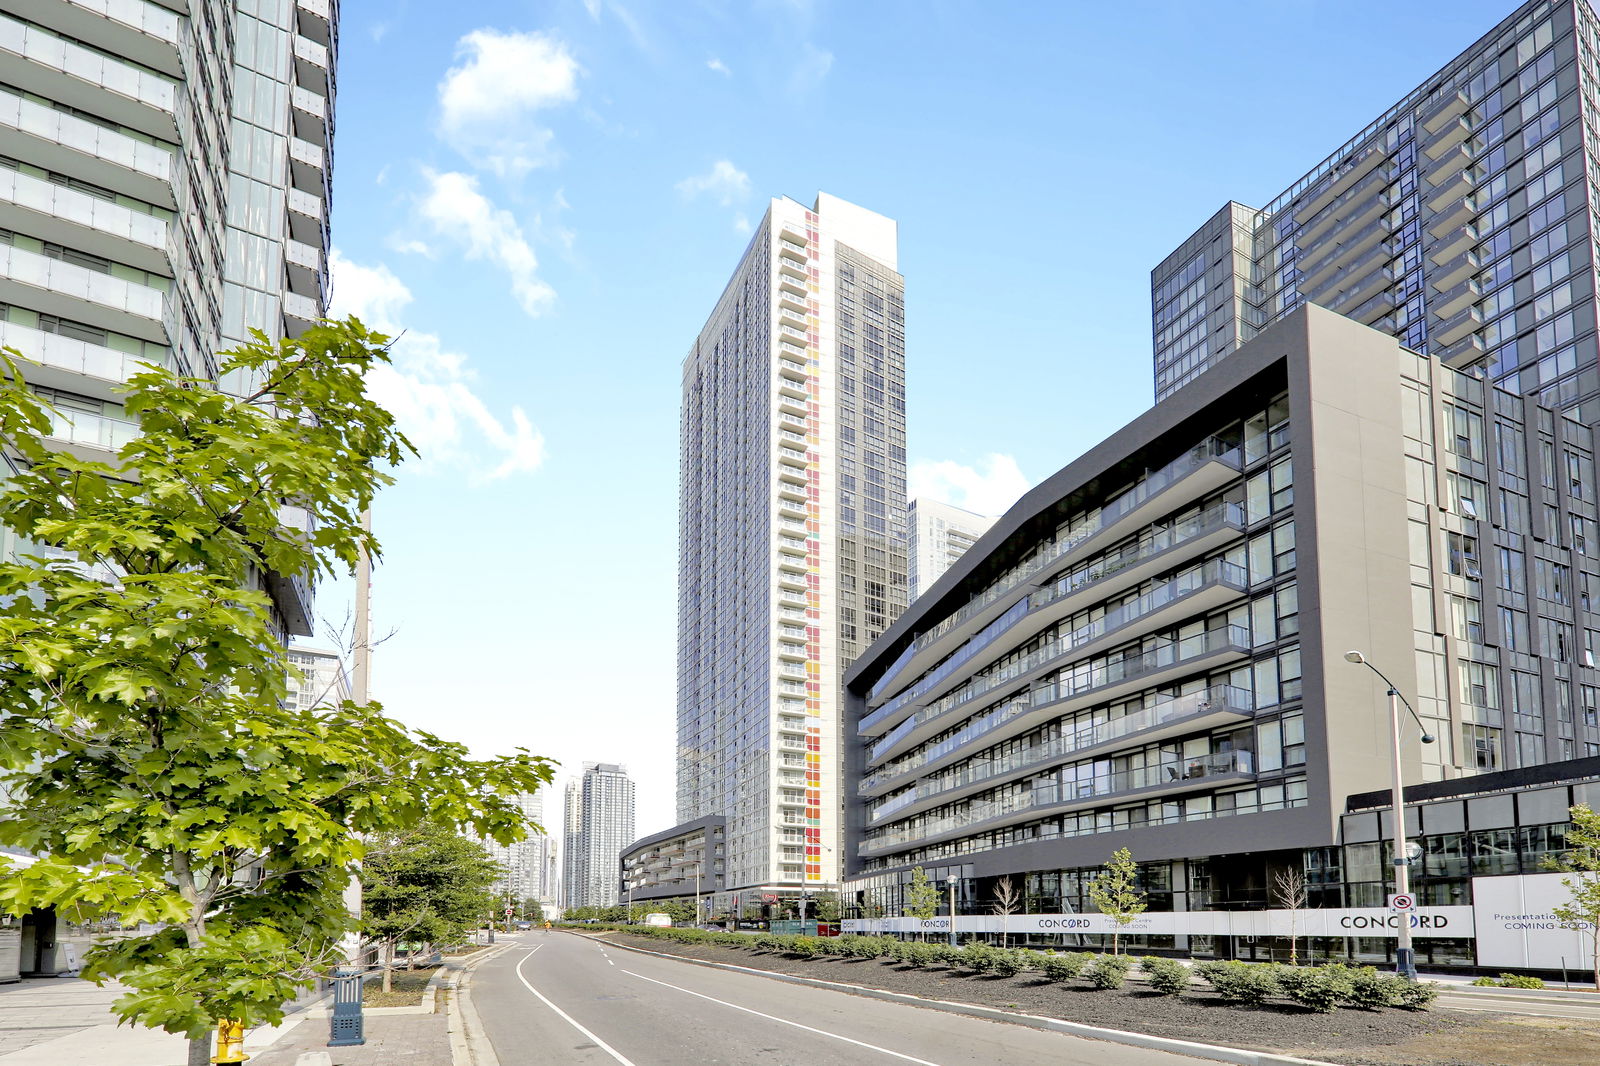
x=1339, y=1014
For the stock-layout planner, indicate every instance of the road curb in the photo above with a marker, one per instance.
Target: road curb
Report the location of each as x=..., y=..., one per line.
x=1211, y=1052
x=469, y=1044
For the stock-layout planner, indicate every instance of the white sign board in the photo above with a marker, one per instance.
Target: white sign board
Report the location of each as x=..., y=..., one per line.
x=1313, y=921
x=1517, y=927
x=1402, y=901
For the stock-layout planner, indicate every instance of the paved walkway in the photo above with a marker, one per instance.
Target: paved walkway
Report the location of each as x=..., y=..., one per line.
x=62, y=1021
x=409, y=1039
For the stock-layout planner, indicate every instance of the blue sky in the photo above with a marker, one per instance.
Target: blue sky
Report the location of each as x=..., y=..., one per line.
x=547, y=198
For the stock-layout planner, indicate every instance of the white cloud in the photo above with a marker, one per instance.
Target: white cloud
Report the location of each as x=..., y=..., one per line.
x=719, y=66
x=724, y=181
x=410, y=246
x=741, y=224
x=990, y=487
x=487, y=101
x=593, y=7
x=428, y=389
x=458, y=211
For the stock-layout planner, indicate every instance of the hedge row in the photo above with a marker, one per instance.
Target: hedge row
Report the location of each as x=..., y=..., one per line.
x=1320, y=988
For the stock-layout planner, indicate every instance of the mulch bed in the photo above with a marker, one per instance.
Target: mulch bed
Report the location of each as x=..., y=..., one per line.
x=1352, y=1037
x=405, y=988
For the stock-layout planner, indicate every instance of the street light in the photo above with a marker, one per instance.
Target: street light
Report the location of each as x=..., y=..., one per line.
x=1405, y=961
x=697, y=894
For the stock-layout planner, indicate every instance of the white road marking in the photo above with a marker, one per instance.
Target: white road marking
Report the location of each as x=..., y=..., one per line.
x=785, y=1021
x=570, y=1020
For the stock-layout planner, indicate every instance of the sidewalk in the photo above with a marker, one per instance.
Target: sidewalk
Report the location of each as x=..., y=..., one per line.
x=56, y=1021
x=417, y=1039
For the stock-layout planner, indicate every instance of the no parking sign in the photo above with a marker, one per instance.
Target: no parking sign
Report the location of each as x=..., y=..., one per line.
x=1402, y=901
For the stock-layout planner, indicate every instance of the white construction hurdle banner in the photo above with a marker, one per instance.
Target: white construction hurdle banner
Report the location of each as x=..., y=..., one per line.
x=1312, y=921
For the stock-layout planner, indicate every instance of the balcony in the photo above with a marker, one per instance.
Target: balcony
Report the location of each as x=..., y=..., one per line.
x=1454, y=243
x=1084, y=687
x=792, y=369
x=1443, y=169
x=1464, y=352
x=91, y=430
x=311, y=64
x=1463, y=294
x=792, y=268
x=1348, y=250
x=305, y=268
x=71, y=144
x=1452, y=214
x=792, y=390
x=1358, y=274
x=306, y=166
x=1201, y=470
x=1465, y=265
x=791, y=286
x=145, y=33
x=1171, y=778
x=1363, y=196
x=309, y=111
x=1451, y=106
x=792, y=302
x=793, y=236
x=1343, y=178
x=300, y=312
x=1448, y=135
x=314, y=19
x=1198, y=590
x=53, y=351
x=1453, y=187
x=305, y=217
x=1173, y=716
x=57, y=287
x=64, y=70
x=66, y=216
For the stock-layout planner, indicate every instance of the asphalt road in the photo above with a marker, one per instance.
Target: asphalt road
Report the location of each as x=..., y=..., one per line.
x=560, y=998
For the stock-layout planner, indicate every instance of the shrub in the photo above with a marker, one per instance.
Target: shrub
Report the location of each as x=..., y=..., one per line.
x=806, y=947
x=1321, y=988
x=1064, y=967
x=1006, y=963
x=1517, y=980
x=1417, y=995
x=979, y=958
x=1167, y=976
x=1110, y=971
x=1242, y=982
x=1371, y=990
x=919, y=955
x=768, y=942
x=945, y=954
x=1486, y=982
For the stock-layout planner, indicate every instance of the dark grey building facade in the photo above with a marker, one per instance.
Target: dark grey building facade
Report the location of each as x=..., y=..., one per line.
x=1147, y=651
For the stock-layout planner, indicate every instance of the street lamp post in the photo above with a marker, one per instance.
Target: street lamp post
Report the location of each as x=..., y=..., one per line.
x=1405, y=961
x=697, y=895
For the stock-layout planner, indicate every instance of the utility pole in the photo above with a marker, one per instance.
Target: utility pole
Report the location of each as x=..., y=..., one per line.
x=361, y=653
x=952, y=884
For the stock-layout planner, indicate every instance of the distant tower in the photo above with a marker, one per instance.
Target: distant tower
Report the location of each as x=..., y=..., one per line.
x=599, y=824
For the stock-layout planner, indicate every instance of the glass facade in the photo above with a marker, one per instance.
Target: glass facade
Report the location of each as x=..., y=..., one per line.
x=1460, y=222
x=134, y=130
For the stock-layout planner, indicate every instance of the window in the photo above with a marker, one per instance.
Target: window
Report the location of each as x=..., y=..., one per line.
x=1480, y=747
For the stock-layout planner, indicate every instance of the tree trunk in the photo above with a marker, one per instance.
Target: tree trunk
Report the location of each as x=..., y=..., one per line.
x=388, y=962
x=200, y=1051
x=1116, y=948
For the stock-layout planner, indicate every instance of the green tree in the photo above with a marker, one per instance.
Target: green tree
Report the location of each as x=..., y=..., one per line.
x=1582, y=865
x=531, y=910
x=828, y=907
x=428, y=885
x=922, y=898
x=144, y=742
x=1115, y=893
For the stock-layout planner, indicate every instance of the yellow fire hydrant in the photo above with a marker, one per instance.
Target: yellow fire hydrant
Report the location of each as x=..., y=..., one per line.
x=230, y=1043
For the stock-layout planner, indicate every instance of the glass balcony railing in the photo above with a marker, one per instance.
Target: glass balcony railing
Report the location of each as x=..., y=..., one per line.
x=81, y=357
x=1080, y=681
x=1214, y=573
x=67, y=56
x=70, y=279
x=1158, y=481
x=69, y=131
x=1091, y=731
x=1099, y=786
x=98, y=431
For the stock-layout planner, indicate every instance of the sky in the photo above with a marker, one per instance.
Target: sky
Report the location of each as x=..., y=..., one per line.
x=545, y=200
